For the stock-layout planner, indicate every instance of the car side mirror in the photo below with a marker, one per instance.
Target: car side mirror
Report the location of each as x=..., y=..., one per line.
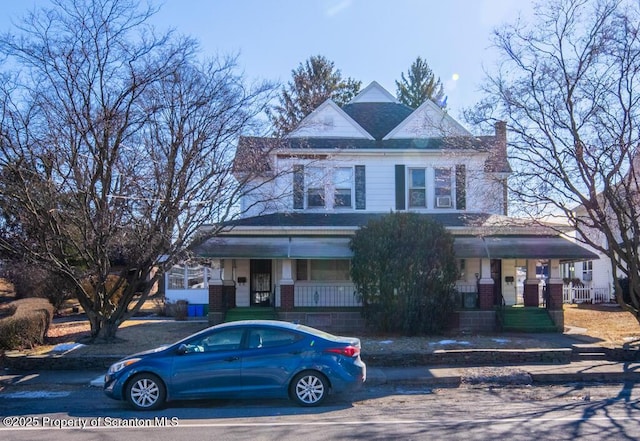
x=183, y=349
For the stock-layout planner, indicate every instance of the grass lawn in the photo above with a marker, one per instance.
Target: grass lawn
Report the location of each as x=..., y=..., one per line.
x=608, y=324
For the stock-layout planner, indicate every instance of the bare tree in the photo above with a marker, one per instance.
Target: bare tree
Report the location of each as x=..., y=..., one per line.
x=116, y=146
x=568, y=87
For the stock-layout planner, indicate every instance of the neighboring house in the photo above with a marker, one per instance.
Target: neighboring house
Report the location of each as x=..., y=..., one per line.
x=344, y=166
x=590, y=280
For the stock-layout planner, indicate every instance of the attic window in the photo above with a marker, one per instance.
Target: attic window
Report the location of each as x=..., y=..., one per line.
x=327, y=121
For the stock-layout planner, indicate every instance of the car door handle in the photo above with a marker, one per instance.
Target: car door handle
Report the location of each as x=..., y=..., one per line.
x=295, y=352
x=232, y=359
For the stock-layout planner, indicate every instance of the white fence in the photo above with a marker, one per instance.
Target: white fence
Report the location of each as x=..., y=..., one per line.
x=586, y=294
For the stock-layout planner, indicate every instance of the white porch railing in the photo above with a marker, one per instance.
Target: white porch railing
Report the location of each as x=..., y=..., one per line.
x=585, y=294
x=330, y=295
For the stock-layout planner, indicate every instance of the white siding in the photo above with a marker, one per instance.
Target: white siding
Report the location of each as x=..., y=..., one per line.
x=481, y=193
x=329, y=121
x=509, y=290
x=242, y=290
x=428, y=121
x=193, y=296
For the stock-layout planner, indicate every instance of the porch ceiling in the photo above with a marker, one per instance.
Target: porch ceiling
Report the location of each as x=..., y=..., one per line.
x=493, y=247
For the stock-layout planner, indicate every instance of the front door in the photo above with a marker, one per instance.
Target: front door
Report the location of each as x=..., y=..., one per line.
x=260, y=282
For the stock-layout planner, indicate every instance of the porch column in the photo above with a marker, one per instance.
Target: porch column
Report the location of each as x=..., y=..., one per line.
x=531, y=297
x=486, y=298
x=287, y=292
x=554, y=286
x=216, y=303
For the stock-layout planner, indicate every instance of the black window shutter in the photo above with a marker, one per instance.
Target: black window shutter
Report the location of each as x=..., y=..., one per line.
x=461, y=187
x=298, y=187
x=361, y=188
x=400, y=187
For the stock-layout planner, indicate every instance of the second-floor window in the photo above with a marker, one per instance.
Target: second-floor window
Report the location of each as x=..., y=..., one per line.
x=342, y=184
x=442, y=187
x=316, y=187
x=329, y=187
x=417, y=187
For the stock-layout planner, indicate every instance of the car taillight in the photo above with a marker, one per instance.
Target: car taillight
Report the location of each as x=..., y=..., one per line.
x=347, y=351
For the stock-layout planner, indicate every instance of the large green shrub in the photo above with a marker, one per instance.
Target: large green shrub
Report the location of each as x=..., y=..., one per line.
x=404, y=269
x=26, y=324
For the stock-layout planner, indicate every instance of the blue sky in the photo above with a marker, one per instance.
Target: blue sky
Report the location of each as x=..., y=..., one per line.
x=367, y=39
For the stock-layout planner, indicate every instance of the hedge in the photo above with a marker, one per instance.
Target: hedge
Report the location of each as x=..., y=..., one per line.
x=27, y=323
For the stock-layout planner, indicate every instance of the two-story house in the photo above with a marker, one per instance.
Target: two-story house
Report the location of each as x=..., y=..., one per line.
x=346, y=165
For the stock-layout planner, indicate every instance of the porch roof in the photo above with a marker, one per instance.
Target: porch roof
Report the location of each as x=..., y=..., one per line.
x=521, y=247
x=290, y=247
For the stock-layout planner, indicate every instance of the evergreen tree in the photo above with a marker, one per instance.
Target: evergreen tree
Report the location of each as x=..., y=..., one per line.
x=419, y=85
x=313, y=82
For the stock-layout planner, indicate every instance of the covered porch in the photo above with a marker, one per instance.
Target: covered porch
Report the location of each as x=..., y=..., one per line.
x=306, y=279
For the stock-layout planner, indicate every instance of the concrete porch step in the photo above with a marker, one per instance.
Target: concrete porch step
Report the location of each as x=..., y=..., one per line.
x=527, y=319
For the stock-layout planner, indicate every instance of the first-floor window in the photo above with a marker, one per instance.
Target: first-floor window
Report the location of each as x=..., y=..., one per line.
x=195, y=277
x=323, y=270
x=462, y=267
x=188, y=277
x=587, y=270
x=176, y=277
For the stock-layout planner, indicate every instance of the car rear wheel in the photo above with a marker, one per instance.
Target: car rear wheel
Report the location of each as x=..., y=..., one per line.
x=146, y=392
x=309, y=388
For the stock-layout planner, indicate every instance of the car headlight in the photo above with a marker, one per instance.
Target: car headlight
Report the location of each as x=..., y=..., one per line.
x=122, y=364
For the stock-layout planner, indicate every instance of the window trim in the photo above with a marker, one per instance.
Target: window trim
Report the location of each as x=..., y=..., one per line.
x=411, y=187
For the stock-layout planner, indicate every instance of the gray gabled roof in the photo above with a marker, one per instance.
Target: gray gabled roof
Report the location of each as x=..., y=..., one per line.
x=378, y=118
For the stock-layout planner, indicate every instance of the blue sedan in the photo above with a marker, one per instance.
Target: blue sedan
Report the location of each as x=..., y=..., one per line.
x=243, y=359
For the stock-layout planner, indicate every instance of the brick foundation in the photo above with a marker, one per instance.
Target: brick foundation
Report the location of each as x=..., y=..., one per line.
x=554, y=293
x=531, y=296
x=228, y=296
x=287, y=301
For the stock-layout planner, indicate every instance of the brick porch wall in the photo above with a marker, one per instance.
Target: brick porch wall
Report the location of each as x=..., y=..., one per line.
x=287, y=302
x=485, y=296
x=554, y=293
x=530, y=295
x=216, y=298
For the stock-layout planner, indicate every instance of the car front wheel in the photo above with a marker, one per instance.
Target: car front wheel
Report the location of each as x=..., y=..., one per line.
x=309, y=388
x=146, y=392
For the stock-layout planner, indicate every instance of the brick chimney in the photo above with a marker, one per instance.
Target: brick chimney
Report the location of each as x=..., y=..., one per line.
x=501, y=139
x=500, y=161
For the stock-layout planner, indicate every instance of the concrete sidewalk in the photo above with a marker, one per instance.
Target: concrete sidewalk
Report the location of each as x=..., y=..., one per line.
x=580, y=371
x=454, y=376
